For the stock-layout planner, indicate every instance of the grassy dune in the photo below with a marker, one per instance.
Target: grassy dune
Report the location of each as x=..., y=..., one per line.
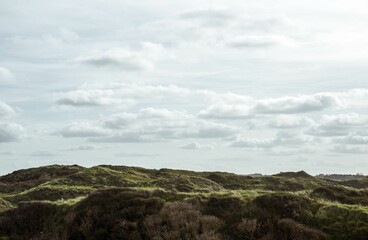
x=118, y=202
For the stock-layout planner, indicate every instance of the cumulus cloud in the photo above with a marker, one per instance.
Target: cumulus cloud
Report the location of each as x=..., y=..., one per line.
x=201, y=28
x=6, y=76
x=338, y=125
x=299, y=104
x=196, y=145
x=82, y=129
x=357, y=138
x=148, y=124
x=282, y=139
x=5, y=109
x=83, y=98
x=11, y=132
x=116, y=94
x=281, y=105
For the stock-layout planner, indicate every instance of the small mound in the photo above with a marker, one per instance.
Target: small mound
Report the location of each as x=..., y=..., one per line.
x=300, y=174
x=21, y=180
x=341, y=194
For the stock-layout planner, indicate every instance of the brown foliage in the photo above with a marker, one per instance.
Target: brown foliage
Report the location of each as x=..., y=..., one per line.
x=182, y=221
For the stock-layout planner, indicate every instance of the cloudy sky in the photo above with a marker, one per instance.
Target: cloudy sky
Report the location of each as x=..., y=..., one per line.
x=239, y=86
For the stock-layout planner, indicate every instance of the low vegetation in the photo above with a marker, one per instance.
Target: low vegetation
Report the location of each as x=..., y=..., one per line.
x=117, y=202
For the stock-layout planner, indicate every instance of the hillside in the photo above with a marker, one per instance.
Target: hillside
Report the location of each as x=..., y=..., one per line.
x=119, y=202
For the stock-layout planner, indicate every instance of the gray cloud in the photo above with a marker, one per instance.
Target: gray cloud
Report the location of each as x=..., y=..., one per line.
x=116, y=94
x=11, y=132
x=358, y=138
x=339, y=125
x=123, y=59
x=196, y=145
x=282, y=105
x=85, y=147
x=148, y=124
x=299, y=104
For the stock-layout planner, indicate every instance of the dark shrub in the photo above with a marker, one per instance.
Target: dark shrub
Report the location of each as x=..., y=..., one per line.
x=28, y=219
x=112, y=214
x=288, y=229
x=182, y=221
x=283, y=206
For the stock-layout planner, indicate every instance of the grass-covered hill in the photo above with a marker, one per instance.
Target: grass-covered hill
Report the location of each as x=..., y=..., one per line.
x=118, y=202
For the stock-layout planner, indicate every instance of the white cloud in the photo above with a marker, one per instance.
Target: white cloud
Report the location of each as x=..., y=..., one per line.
x=282, y=139
x=206, y=28
x=208, y=17
x=85, y=98
x=339, y=125
x=11, y=132
x=82, y=129
x=284, y=151
x=6, y=76
x=196, y=145
x=116, y=94
x=282, y=105
x=148, y=124
x=290, y=121
x=299, y=104
x=6, y=110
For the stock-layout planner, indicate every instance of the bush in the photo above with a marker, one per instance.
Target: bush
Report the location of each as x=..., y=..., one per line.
x=112, y=214
x=288, y=229
x=182, y=221
x=28, y=219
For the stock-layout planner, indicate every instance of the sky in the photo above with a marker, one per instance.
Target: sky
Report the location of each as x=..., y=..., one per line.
x=237, y=86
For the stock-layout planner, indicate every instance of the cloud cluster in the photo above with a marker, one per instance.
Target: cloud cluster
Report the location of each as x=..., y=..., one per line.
x=281, y=105
x=339, y=125
x=11, y=132
x=148, y=124
x=283, y=139
x=116, y=94
x=221, y=27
